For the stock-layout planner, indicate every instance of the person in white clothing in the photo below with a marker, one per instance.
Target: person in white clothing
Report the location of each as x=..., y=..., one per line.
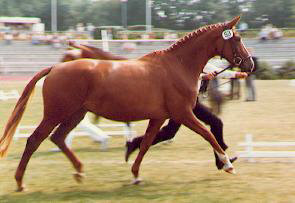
x=94, y=132
x=215, y=96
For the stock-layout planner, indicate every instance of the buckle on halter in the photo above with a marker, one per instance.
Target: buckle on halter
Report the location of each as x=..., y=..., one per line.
x=238, y=60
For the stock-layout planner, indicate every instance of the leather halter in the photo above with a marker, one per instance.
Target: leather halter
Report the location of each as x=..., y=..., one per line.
x=237, y=59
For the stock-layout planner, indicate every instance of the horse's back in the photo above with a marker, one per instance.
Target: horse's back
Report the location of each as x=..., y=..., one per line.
x=119, y=90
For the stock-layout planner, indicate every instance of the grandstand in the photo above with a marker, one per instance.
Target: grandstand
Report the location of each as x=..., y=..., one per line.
x=21, y=57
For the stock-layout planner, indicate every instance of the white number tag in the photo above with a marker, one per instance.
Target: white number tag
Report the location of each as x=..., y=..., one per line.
x=227, y=34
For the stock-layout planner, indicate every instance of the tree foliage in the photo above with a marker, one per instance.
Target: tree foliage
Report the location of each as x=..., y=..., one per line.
x=171, y=14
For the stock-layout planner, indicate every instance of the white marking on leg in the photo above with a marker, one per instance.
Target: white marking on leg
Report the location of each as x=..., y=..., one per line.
x=136, y=181
x=228, y=167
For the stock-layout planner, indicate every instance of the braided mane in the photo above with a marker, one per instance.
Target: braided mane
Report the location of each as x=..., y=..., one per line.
x=193, y=35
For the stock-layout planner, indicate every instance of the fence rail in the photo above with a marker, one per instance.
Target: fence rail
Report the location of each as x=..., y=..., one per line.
x=250, y=153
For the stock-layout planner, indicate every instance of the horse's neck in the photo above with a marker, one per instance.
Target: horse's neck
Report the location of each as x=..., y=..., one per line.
x=190, y=57
x=194, y=56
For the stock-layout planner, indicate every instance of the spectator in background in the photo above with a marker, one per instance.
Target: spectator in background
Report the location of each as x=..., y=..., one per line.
x=250, y=83
x=276, y=33
x=35, y=40
x=145, y=36
x=170, y=35
x=243, y=27
x=235, y=87
x=8, y=37
x=270, y=32
x=128, y=46
x=56, y=42
x=264, y=33
x=80, y=28
x=90, y=29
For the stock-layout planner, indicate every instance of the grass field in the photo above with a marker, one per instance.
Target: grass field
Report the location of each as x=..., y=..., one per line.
x=182, y=171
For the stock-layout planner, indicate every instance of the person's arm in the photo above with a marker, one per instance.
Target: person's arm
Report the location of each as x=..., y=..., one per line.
x=212, y=70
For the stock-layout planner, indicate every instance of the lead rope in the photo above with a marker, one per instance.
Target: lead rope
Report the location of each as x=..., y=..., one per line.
x=204, y=85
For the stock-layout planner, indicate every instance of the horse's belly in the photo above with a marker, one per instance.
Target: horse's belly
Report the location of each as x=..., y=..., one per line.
x=130, y=114
x=122, y=107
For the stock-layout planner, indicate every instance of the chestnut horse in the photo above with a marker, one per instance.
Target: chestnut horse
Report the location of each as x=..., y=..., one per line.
x=157, y=86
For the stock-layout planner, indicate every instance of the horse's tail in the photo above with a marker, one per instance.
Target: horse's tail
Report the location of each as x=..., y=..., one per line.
x=18, y=111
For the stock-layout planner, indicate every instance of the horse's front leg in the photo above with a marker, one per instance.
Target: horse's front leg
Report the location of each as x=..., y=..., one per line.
x=151, y=131
x=190, y=121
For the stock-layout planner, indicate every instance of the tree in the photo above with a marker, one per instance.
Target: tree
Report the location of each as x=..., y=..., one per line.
x=171, y=14
x=277, y=12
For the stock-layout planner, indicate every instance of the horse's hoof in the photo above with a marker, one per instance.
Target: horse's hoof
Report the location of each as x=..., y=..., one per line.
x=231, y=171
x=79, y=177
x=229, y=168
x=21, y=188
x=136, y=181
x=220, y=164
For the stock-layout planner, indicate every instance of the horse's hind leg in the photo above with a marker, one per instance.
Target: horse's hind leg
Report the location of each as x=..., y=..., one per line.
x=153, y=128
x=60, y=135
x=33, y=142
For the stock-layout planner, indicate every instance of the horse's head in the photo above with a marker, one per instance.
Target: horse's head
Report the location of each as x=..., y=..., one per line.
x=231, y=47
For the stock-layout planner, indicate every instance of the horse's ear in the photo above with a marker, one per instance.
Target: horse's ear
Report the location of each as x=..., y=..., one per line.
x=233, y=22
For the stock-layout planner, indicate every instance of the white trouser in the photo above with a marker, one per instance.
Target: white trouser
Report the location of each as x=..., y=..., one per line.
x=93, y=131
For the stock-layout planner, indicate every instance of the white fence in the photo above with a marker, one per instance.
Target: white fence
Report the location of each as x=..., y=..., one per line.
x=5, y=95
x=250, y=153
x=86, y=129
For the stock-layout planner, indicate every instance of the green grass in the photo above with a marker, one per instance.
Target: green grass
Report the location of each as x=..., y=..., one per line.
x=182, y=171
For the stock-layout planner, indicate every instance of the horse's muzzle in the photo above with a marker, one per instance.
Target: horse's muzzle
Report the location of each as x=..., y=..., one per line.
x=247, y=65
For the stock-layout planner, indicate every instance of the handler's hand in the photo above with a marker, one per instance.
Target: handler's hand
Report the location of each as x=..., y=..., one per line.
x=209, y=76
x=241, y=75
